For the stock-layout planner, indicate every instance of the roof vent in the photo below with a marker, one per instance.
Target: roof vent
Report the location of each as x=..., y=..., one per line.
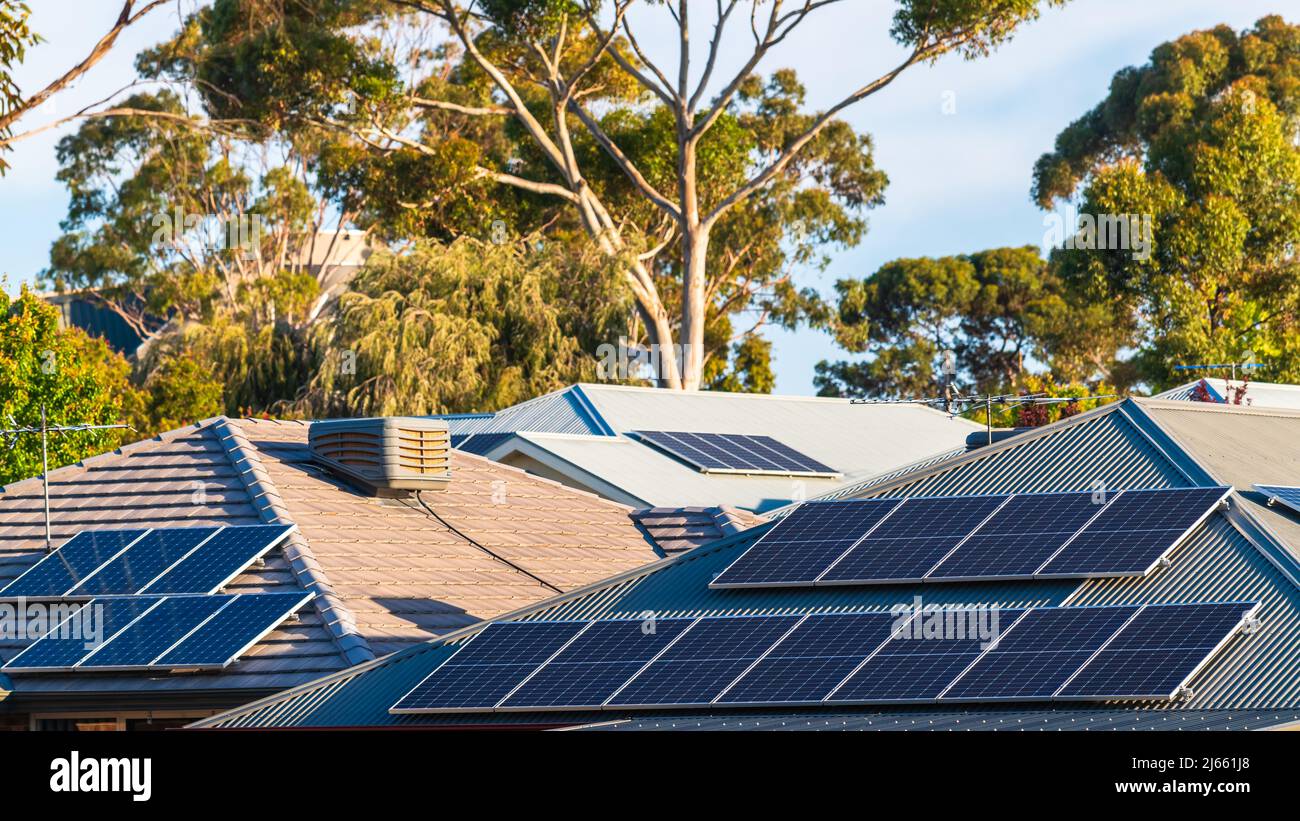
x=386, y=456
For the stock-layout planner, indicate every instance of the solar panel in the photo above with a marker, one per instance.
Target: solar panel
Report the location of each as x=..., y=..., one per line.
x=1092, y=653
x=217, y=561
x=1019, y=538
x=1158, y=651
x=910, y=542
x=1287, y=495
x=735, y=453
x=87, y=627
x=596, y=664
x=700, y=664
x=913, y=666
x=1134, y=531
x=149, y=636
x=1038, y=653
x=58, y=572
x=235, y=628
x=815, y=657
x=142, y=562
x=491, y=664
x=966, y=538
x=804, y=543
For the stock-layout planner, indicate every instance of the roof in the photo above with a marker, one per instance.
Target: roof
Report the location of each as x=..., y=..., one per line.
x=580, y=435
x=676, y=529
x=388, y=573
x=1235, y=555
x=1258, y=394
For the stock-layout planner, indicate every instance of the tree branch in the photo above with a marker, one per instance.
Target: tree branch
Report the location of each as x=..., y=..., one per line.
x=124, y=19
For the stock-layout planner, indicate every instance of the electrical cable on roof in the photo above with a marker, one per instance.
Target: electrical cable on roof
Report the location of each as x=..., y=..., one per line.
x=486, y=550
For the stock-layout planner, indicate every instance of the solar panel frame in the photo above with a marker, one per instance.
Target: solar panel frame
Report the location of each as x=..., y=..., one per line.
x=418, y=699
x=122, y=612
x=736, y=453
x=715, y=671
x=1287, y=495
x=809, y=635
x=151, y=538
x=152, y=633
x=780, y=540
x=1101, y=660
x=531, y=694
x=1051, y=569
x=283, y=604
x=895, y=659
x=61, y=561
x=235, y=561
x=990, y=677
x=910, y=526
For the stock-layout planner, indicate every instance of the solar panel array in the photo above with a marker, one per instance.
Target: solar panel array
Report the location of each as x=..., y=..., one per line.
x=1039, y=654
x=965, y=538
x=735, y=453
x=157, y=632
x=1286, y=494
x=157, y=561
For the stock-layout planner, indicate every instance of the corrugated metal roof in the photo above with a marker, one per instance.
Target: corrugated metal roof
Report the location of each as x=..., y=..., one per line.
x=1100, y=720
x=1257, y=395
x=1119, y=444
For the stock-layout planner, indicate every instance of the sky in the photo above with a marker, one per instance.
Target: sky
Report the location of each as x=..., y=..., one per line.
x=958, y=139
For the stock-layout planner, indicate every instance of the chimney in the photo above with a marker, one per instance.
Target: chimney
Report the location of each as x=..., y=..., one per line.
x=385, y=456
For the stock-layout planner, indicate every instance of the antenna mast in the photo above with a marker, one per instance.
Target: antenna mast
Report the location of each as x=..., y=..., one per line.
x=12, y=433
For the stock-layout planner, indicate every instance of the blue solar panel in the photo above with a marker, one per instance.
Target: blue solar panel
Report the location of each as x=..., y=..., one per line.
x=1136, y=528
x=236, y=627
x=912, y=540
x=1039, y=653
x=1017, y=539
x=1287, y=495
x=804, y=543
x=920, y=662
x=708, y=657
x=149, y=636
x=735, y=452
x=87, y=629
x=1157, y=651
x=596, y=664
x=812, y=660
x=219, y=560
x=143, y=561
x=489, y=666
x=57, y=573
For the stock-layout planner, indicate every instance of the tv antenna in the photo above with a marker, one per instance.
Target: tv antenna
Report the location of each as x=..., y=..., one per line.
x=11, y=435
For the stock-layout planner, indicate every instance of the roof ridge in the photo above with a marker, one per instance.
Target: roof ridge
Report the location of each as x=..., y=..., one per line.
x=338, y=619
x=80, y=465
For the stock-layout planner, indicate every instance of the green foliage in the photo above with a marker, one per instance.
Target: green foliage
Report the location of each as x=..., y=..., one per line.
x=981, y=24
x=77, y=378
x=1202, y=141
x=464, y=327
x=993, y=310
x=182, y=390
x=1011, y=415
x=15, y=37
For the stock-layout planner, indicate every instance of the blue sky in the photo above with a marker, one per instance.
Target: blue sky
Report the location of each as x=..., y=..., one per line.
x=959, y=182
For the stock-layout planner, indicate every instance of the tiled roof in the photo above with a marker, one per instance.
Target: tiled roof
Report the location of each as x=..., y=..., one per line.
x=387, y=572
x=676, y=529
x=1229, y=557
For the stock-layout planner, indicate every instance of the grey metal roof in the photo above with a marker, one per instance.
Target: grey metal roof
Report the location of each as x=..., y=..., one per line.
x=966, y=721
x=1258, y=394
x=582, y=434
x=1230, y=557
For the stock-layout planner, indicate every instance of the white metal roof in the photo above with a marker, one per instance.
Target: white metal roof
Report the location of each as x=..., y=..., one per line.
x=858, y=440
x=1258, y=394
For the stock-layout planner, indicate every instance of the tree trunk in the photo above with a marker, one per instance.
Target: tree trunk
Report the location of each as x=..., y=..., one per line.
x=695, y=249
